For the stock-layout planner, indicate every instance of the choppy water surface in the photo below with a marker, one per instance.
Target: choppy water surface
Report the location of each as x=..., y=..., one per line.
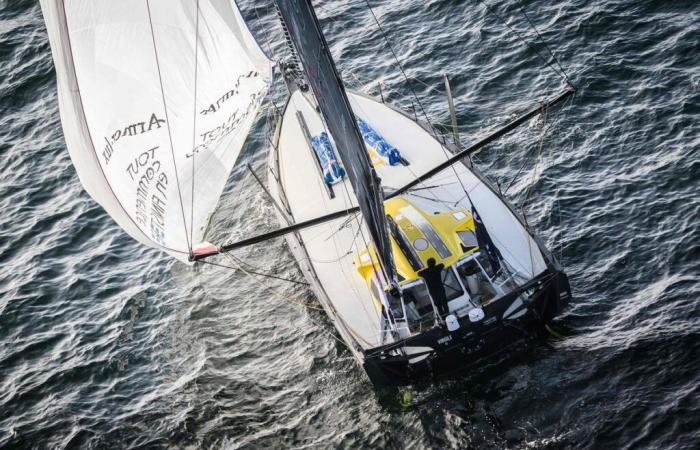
x=105, y=344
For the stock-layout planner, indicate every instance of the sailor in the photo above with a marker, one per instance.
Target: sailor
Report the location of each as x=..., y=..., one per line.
x=432, y=275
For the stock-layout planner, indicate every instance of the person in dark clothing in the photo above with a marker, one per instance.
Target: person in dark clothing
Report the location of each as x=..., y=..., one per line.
x=432, y=275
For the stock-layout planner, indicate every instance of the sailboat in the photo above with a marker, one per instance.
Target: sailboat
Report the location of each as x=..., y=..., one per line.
x=422, y=266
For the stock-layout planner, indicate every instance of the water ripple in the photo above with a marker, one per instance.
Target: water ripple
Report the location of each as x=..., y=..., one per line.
x=106, y=344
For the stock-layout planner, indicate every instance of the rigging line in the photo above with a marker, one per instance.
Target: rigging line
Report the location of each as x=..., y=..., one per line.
x=357, y=219
x=561, y=239
x=283, y=297
x=354, y=238
x=436, y=200
x=256, y=273
x=420, y=105
x=430, y=191
x=267, y=32
x=517, y=174
x=434, y=186
x=194, y=120
x=534, y=173
x=514, y=179
x=324, y=329
x=345, y=223
x=257, y=270
x=299, y=303
x=250, y=266
x=170, y=136
x=537, y=156
x=400, y=66
x=391, y=91
x=360, y=84
x=532, y=25
x=347, y=201
x=279, y=294
x=534, y=50
x=328, y=261
x=551, y=126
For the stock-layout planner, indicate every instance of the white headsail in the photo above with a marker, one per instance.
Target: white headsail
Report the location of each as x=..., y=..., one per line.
x=156, y=100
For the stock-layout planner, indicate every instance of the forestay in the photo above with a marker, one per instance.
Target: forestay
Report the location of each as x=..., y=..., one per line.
x=156, y=100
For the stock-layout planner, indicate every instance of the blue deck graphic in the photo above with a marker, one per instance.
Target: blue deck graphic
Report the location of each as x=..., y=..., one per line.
x=332, y=170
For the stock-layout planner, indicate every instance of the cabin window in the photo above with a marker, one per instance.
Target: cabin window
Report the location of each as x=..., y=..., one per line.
x=486, y=264
x=468, y=239
x=417, y=300
x=453, y=289
x=419, y=307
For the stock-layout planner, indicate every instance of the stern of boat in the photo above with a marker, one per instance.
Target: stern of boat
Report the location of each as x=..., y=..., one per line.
x=438, y=352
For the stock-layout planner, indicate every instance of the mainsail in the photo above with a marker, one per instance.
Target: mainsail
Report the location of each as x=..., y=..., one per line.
x=156, y=98
x=301, y=22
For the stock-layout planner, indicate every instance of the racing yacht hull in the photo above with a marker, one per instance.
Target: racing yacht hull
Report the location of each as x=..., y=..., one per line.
x=325, y=252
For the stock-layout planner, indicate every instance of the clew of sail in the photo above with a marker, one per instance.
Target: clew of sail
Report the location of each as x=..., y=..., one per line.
x=156, y=99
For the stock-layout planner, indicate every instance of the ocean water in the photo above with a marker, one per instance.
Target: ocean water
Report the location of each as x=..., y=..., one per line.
x=106, y=344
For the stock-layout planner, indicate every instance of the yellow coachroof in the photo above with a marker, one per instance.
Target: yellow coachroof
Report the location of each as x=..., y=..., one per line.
x=417, y=236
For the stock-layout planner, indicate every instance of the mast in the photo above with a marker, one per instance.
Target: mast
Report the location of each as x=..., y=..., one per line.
x=303, y=27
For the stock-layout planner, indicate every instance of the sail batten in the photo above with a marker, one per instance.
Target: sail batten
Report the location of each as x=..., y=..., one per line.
x=152, y=100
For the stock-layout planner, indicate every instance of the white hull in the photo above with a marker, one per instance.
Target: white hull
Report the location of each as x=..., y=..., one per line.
x=325, y=252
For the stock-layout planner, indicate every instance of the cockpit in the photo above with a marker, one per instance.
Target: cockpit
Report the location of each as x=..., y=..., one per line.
x=467, y=285
x=467, y=277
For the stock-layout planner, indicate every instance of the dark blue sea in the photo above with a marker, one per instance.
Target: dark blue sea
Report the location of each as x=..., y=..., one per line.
x=107, y=344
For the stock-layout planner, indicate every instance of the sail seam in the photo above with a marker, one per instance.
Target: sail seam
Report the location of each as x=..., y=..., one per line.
x=170, y=137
